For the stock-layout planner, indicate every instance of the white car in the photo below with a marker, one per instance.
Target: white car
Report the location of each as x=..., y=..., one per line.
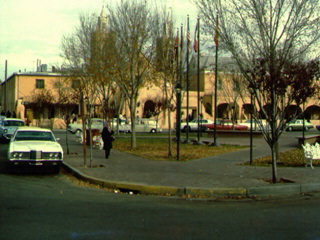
x=147, y=125
x=96, y=123
x=33, y=146
x=298, y=125
x=124, y=126
x=193, y=125
x=256, y=125
x=8, y=126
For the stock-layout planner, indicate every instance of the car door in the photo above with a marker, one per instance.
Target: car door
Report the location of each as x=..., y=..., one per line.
x=1, y=128
x=139, y=126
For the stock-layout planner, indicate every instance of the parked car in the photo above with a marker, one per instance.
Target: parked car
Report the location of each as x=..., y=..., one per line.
x=124, y=126
x=33, y=146
x=256, y=124
x=96, y=123
x=147, y=125
x=193, y=125
x=298, y=125
x=8, y=126
x=227, y=125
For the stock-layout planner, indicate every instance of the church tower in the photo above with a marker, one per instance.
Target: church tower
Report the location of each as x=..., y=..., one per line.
x=102, y=20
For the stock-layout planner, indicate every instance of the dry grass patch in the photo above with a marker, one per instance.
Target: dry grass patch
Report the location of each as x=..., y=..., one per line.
x=290, y=158
x=157, y=149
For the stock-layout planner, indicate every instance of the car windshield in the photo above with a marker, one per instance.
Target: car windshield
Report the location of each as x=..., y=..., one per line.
x=13, y=123
x=34, y=136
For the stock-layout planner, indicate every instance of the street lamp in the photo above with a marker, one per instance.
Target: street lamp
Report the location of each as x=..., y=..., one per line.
x=178, y=89
x=200, y=116
x=251, y=90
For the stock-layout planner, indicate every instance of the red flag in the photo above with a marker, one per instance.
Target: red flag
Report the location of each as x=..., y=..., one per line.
x=188, y=37
x=196, y=40
x=216, y=36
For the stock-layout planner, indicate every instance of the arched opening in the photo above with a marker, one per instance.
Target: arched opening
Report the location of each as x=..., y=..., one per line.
x=149, y=109
x=292, y=111
x=208, y=108
x=247, y=110
x=313, y=112
x=228, y=111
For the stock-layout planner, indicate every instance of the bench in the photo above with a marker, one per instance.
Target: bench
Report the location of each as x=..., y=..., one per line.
x=79, y=137
x=97, y=142
x=311, y=139
x=311, y=152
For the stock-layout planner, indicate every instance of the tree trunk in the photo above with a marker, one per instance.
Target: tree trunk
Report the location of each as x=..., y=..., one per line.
x=170, y=135
x=274, y=162
x=133, y=123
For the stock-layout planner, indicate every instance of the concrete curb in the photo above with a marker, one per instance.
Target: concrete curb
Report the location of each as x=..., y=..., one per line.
x=141, y=188
x=287, y=189
x=126, y=186
x=216, y=192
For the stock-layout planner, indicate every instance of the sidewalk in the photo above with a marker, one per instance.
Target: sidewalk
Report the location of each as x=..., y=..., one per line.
x=212, y=176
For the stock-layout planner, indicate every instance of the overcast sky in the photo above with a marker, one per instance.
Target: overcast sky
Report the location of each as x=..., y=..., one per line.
x=33, y=29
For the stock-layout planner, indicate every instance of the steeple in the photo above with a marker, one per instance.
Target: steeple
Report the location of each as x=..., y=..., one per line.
x=103, y=20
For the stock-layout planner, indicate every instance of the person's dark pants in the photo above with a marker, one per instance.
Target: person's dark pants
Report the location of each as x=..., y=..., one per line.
x=107, y=151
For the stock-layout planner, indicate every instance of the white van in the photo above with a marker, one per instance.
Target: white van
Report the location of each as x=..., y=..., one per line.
x=147, y=125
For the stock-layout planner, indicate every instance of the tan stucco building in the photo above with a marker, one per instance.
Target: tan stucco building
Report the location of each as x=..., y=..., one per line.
x=35, y=96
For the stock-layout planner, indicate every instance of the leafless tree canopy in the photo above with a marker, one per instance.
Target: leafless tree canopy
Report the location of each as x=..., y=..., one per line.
x=265, y=37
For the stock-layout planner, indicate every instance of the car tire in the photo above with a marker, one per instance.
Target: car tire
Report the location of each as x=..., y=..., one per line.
x=77, y=131
x=204, y=128
x=290, y=129
x=186, y=128
x=153, y=130
x=56, y=169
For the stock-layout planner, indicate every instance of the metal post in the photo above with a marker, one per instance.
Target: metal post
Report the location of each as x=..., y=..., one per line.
x=5, y=86
x=187, y=82
x=178, y=118
x=215, y=143
x=84, y=147
x=251, y=125
x=198, y=142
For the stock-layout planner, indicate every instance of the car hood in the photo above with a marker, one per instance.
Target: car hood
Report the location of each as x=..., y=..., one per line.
x=11, y=130
x=26, y=146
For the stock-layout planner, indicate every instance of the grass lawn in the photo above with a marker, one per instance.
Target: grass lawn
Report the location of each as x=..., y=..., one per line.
x=291, y=158
x=157, y=149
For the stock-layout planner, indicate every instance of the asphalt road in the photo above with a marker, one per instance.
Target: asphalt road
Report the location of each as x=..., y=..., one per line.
x=37, y=205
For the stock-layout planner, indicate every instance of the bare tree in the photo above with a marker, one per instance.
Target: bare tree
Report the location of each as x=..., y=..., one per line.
x=166, y=61
x=232, y=90
x=135, y=25
x=77, y=54
x=262, y=37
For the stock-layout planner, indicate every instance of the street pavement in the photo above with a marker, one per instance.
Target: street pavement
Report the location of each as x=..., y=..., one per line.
x=215, y=176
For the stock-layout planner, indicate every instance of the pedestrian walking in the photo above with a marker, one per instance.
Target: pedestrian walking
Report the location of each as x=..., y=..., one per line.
x=107, y=139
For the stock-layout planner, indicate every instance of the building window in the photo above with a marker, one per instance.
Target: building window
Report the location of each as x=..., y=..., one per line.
x=219, y=84
x=40, y=83
x=236, y=86
x=58, y=85
x=75, y=84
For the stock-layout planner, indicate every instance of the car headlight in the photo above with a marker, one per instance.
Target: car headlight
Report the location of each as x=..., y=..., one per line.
x=20, y=155
x=51, y=155
x=5, y=130
x=54, y=155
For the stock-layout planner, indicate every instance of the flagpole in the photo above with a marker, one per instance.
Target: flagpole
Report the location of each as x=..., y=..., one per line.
x=198, y=80
x=216, y=39
x=181, y=52
x=178, y=96
x=187, y=82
